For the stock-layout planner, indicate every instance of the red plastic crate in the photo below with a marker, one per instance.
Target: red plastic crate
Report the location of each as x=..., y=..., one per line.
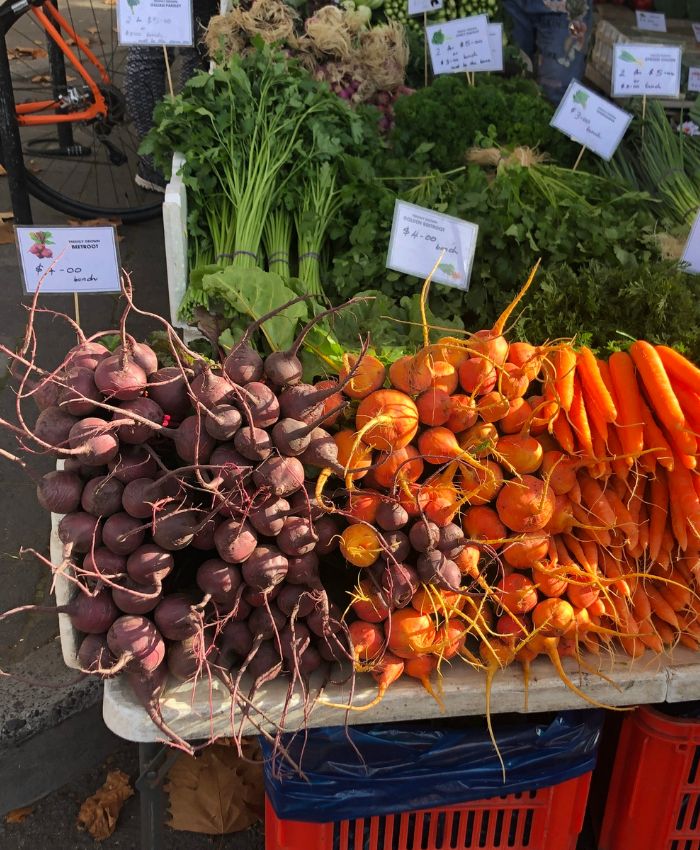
x=548, y=819
x=654, y=797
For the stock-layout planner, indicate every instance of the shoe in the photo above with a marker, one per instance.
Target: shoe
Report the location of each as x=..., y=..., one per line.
x=148, y=178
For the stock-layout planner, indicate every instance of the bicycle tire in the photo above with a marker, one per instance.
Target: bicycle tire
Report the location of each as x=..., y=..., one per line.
x=98, y=180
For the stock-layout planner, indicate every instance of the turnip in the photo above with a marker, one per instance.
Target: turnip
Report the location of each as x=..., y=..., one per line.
x=297, y=536
x=140, y=354
x=134, y=598
x=59, y=491
x=235, y=541
x=175, y=617
x=219, y=580
x=168, y=388
x=253, y=443
x=282, y=476
x=102, y=496
x=79, y=532
x=138, y=432
x=192, y=442
x=103, y=561
x=93, y=440
x=265, y=568
x=79, y=393
x=149, y=564
x=222, y=422
x=53, y=426
x=122, y=534
x=119, y=377
x=131, y=463
x=304, y=570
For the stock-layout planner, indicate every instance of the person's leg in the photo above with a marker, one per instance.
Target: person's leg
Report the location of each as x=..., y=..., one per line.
x=563, y=36
x=195, y=58
x=523, y=30
x=144, y=87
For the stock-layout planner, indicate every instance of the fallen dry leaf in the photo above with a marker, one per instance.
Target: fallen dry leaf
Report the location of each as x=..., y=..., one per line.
x=27, y=53
x=7, y=234
x=70, y=79
x=41, y=78
x=109, y=2
x=18, y=815
x=7, y=216
x=93, y=30
x=98, y=814
x=3, y=173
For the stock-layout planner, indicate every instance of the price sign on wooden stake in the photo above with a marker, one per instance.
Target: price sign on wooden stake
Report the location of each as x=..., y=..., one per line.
x=169, y=23
x=591, y=120
x=646, y=69
x=421, y=7
x=459, y=45
x=691, y=253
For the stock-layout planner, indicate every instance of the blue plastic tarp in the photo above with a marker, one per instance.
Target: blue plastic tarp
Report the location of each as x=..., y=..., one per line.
x=412, y=766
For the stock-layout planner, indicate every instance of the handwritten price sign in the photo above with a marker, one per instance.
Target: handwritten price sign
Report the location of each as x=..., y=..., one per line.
x=155, y=22
x=420, y=236
x=70, y=259
x=591, y=120
x=646, y=69
x=459, y=45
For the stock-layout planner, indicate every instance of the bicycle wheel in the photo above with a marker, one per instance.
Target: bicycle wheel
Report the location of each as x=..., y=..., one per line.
x=82, y=168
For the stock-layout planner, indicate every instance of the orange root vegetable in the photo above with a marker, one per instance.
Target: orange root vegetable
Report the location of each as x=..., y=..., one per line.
x=563, y=433
x=526, y=504
x=399, y=374
x=526, y=550
x=482, y=524
x=369, y=375
x=387, y=420
x=437, y=602
x=562, y=520
x=401, y=465
x=593, y=386
x=468, y=560
x=481, y=486
x=385, y=673
x=441, y=502
x=630, y=414
x=518, y=414
x=450, y=638
x=368, y=604
x=438, y=445
x=561, y=471
x=550, y=583
x=477, y=376
x=516, y=593
x=360, y=545
x=496, y=655
x=679, y=369
x=564, y=366
x=413, y=498
x=553, y=617
x=544, y=412
x=479, y=440
x=510, y=629
x=420, y=668
x=434, y=407
x=331, y=403
x=578, y=417
x=526, y=357
x=655, y=440
x=520, y=454
x=463, y=413
x=596, y=501
x=428, y=368
x=362, y=506
x=493, y=406
x=512, y=382
x=352, y=454
x=409, y=633
x=583, y=595
x=366, y=639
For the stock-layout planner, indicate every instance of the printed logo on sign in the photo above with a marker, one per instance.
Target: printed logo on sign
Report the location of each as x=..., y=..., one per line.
x=653, y=21
x=459, y=45
x=591, y=120
x=646, y=69
x=155, y=22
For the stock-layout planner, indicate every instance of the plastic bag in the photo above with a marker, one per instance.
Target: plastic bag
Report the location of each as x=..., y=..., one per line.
x=413, y=766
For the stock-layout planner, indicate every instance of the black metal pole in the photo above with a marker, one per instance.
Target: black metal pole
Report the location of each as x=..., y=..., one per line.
x=59, y=83
x=151, y=797
x=11, y=143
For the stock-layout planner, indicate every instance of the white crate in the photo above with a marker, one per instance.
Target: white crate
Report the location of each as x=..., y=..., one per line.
x=65, y=590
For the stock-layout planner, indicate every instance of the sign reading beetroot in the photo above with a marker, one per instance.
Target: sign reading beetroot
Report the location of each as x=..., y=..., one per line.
x=69, y=259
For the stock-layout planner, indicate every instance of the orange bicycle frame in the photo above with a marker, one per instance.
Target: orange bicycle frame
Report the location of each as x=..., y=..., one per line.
x=28, y=113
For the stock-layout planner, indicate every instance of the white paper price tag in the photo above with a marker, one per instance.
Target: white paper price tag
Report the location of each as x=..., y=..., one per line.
x=459, y=45
x=72, y=259
x=495, y=60
x=651, y=69
x=654, y=21
x=693, y=79
x=696, y=31
x=419, y=236
x=155, y=22
x=591, y=120
x=420, y=7
x=691, y=253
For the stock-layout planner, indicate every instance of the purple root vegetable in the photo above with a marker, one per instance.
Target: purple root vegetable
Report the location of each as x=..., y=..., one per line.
x=391, y=516
x=291, y=437
x=306, y=505
x=397, y=582
x=296, y=597
x=169, y=389
x=398, y=546
x=72, y=464
x=174, y=527
x=261, y=402
x=265, y=568
x=120, y=380
x=297, y=537
x=266, y=621
x=79, y=532
x=223, y=421
x=139, y=496
x=304, y=402
x=46, y=393
x=104, y=562
x=327, y=530
x=95, y=657
x=138, y=432
x=282, y=476
x=90, y=613
x=243, y=365
x=192, y=441
x=325, y=618
x=187, y=658
x=79, y=394
x=87, y=355
x=253, y=443
x=309, y=662
x=238, y=610
x=322, y=451
x=131, y=463
x=149, y=564
x=232, y=465
x=211, y=390
x=59, y=491
x=94, y=441
x=304, y=570
x=203, y=540
x=235, y=643
x=435, y=568
x=139, y=639
x=140, y=354
x=219, y=580
x=134, y=598
x=265, y=665
x=424, y=535
x=147, y=687
x=53, y=426
x=269, y=518
x=452, y=540
x=295, y=639
x=235, y=541
x=176, y=617
x=123, y=534
x=102, y=496
x=255, y=598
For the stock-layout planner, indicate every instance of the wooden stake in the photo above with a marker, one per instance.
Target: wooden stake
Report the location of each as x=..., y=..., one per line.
x=168, y=71
x=76, y=307
x=579, y=157
x=425, y=56
x=644, y=114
